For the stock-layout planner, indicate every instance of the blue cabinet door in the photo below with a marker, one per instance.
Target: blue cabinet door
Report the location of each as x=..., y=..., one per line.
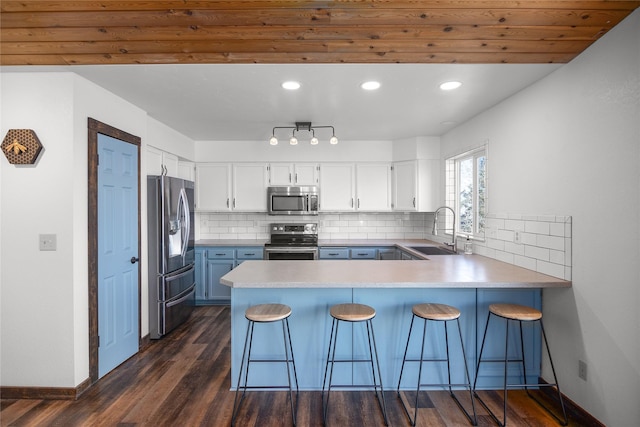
x=217, y=293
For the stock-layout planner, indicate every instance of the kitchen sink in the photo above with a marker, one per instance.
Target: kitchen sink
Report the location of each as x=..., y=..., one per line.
x=432, y=250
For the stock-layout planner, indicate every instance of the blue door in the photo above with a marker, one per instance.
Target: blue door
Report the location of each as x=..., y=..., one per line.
x=118, y=303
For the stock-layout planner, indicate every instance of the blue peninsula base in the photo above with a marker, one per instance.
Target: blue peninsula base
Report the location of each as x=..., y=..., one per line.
x=310, y=325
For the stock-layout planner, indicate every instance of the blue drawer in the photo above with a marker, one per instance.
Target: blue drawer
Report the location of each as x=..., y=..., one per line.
x=250, y=253
x=334, y=253
x=221, y=253
x=364, y=253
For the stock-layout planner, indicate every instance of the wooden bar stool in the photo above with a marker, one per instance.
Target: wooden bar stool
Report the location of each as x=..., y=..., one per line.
x=519, y=313
x=352, y=313
x=266, y=313
x=444, y=314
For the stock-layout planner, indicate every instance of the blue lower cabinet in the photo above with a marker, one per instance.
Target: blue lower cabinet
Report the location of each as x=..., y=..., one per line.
x=213, y=262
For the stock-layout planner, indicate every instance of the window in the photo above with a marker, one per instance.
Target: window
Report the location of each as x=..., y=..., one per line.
x=466, y=182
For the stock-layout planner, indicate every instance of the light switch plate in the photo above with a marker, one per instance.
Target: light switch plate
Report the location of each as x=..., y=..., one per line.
x=48, y=242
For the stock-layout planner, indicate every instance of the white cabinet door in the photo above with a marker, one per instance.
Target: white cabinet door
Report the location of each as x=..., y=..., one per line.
x=293, y=174
x=337, y=187
x=161, y=163
x=280, y=174
x=373, y=187
x=186, y=170
x=154, y=161
x=305, y=174
x=250, y=187
x=416, y=185
x=170, y=162
x=213, y=187
x=405, y=185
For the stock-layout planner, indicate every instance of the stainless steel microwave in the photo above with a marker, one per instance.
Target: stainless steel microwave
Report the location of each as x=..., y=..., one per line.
x=292, y=200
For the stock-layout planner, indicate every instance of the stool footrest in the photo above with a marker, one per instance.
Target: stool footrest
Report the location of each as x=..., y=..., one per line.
x=465, y=385
x=425, y=360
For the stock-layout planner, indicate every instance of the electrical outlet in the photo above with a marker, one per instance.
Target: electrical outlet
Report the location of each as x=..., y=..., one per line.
x=516, y=237
x=47, y=242
x=582, y=369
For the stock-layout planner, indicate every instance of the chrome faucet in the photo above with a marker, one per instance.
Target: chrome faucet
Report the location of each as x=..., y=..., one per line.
x=451, y=245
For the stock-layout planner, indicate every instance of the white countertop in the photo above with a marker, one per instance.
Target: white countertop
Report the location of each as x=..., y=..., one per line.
x=453, y=271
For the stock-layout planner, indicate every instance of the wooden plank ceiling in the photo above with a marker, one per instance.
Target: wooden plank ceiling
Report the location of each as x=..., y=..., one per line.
x=268, y=31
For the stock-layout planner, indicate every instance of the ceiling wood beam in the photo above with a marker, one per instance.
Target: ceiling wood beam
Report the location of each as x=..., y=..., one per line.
x=269, y=31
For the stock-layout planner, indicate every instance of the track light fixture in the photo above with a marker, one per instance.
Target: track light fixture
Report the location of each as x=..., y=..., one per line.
x=303, y=126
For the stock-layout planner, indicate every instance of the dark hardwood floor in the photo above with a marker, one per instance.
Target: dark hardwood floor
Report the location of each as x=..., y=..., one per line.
x=184, y=380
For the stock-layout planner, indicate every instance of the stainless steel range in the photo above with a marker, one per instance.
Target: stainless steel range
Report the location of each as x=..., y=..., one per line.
x=292, y=242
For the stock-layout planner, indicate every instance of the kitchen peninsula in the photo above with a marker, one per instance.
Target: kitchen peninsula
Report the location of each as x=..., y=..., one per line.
x=310, y=288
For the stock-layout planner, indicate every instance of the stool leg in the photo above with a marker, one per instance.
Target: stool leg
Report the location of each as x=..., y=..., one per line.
x=564, y=420
x=381, y=401
x=285, y=334
x=332, y=340
x=404, y=358
x=506, y=366
x=475, y=381
x=236, y=402
x=474, y=420
x=486, y=327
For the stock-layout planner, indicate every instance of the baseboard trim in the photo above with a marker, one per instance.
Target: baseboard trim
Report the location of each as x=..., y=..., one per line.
x=576, y=413
x=54, y=393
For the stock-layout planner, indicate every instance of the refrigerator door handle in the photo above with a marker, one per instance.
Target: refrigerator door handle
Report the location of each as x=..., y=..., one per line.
x=183, y=208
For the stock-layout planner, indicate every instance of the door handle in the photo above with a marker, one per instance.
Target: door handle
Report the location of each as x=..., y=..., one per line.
x=134, y=260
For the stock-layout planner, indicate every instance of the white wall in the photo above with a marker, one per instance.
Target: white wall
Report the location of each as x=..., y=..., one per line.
x=570, y=145
x=44, y=306
x=169, y=140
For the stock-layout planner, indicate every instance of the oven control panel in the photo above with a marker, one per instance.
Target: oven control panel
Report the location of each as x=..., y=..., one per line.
x=294, y=229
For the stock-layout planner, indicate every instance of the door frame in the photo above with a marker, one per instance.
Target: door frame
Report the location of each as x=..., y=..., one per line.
x=94, y=128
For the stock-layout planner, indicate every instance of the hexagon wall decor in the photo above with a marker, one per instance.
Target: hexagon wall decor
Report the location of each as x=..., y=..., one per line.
x=21, y=146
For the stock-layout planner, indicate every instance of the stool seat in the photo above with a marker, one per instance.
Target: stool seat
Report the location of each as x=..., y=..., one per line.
x=432, y=311
x=515, y=312
x=267, y=312
x=352, y=312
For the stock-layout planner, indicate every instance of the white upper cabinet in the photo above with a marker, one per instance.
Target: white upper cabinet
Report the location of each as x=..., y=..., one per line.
x=337, y=187
x=346, y=187
x=249, y=187
x=161, y=163
x=224, y=187
x=213, y=187
x=416, y=185
x=186, y=170
x=293, y=174
x=373, y=187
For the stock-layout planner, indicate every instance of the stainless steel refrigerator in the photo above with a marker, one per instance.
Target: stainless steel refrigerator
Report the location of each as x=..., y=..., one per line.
x=171, y=253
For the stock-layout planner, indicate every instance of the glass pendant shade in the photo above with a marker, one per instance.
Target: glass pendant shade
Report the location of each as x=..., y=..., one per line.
x=314, y=141
x=273, y=140
x=333, y=140
x=293, y=140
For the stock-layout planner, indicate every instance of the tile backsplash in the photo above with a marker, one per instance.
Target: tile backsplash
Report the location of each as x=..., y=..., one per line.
x=348, y=225
x=539, y=243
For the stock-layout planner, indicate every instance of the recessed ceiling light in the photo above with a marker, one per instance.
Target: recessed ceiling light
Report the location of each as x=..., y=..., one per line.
x=450, y=85
x=291, y=85
x=370, y=85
